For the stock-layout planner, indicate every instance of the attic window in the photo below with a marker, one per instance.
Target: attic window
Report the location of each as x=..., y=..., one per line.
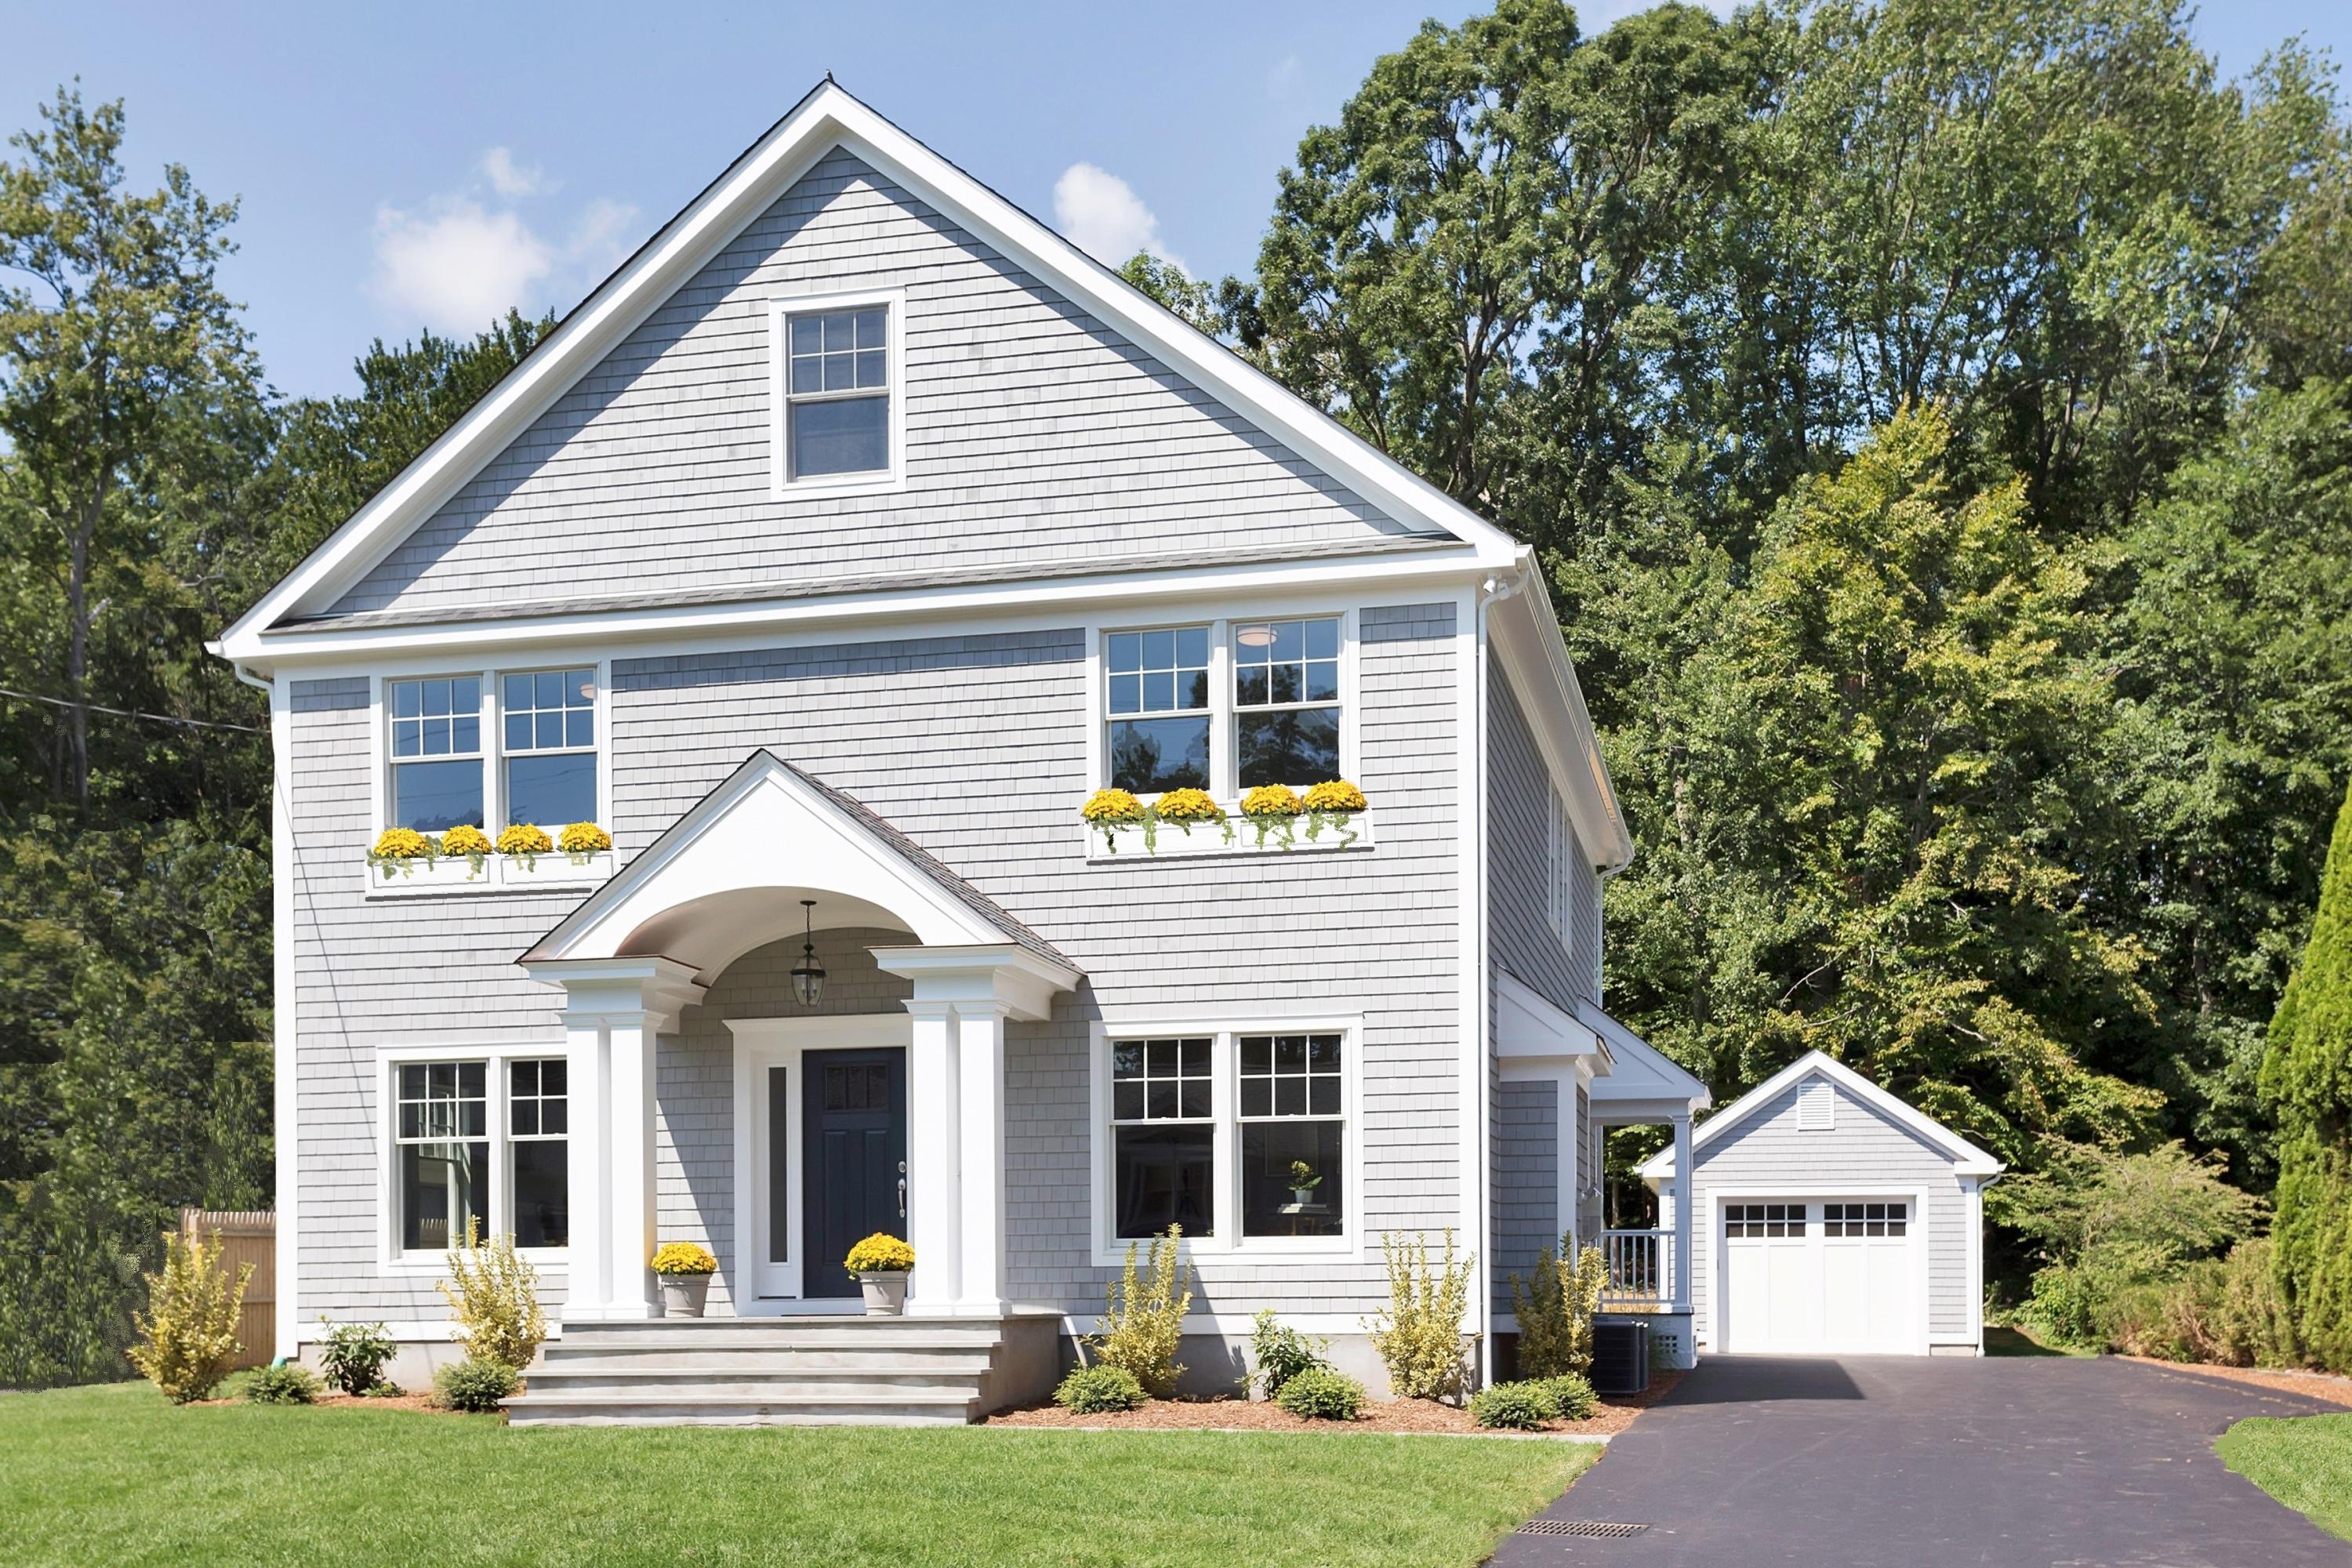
x=1816, y=1109
x=836, y=380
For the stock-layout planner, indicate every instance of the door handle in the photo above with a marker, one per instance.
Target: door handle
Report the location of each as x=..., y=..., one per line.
x=902, y=1189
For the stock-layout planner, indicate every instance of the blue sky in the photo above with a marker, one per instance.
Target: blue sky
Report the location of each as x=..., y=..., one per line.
x=423, y=163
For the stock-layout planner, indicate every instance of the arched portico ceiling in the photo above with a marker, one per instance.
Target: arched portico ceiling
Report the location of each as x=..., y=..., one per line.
x=728, y=877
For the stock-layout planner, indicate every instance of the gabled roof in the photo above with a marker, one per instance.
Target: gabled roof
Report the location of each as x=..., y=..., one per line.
x=1967, y=1159
x=769, y=823
x=827, y=117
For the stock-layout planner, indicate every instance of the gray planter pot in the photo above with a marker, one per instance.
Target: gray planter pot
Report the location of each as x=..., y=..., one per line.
x=885, y=1294
x=684, y=1294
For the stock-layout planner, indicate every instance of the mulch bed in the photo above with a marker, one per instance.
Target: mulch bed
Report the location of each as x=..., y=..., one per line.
x=2312, y=1384
x=1229, y=1413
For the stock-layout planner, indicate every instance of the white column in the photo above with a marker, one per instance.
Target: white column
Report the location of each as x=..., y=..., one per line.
x=934, y=1136
x=630, y=1224
x=980, y=1029
x=1685, y=1183
x=588, y=1282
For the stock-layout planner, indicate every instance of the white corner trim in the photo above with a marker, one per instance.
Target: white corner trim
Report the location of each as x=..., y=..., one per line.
x=285, y=1024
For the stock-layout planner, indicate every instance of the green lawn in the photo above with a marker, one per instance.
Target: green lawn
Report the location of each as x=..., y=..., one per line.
x=113, y=1475
x=2305, y=1461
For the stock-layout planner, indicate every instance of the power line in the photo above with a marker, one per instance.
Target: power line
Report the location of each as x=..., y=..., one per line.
x=133, y=713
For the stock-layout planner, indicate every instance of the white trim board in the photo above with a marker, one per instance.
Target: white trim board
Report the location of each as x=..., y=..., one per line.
x=1968, y=1160
x=827, y=117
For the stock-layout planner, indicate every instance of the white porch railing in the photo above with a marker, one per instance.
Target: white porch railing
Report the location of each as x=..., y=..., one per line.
x=1640, y=1265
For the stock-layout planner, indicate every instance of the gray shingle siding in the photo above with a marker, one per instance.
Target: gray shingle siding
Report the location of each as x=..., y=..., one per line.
x=1527, y=1181
x=1862, y=1146
x=1032, y=433
x=1519, y=859
x=975, y=748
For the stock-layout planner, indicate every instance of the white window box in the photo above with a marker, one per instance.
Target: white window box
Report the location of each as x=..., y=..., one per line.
x=546, y=873
x=1171, y=843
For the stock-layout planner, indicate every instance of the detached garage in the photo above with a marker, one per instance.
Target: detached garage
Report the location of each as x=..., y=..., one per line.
x=1844, y=1222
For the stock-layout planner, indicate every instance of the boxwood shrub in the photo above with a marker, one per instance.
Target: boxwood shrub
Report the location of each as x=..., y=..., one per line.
x=1513, y=1407
x=1093, y=1390
x=1572, y=1396
x=1319, y=1394
x=473, y=1384
x=284, y=1384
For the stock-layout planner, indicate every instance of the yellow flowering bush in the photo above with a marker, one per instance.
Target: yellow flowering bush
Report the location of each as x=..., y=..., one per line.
x=583, y=839
x=1335, y=796
x=880, y=1253
x=398, y=849
x=523, y=838
x=684, y=1258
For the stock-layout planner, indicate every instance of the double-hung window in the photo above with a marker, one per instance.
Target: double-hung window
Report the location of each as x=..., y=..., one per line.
x=1238, y=1136
x=478, y=1140
x=436, y=752
x=527, y=755
x=1163, y=1135
x=1225, y=706
x=836, y=382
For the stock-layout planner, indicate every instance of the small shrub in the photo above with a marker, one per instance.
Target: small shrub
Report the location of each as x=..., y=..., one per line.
x=2063, y=1306
x=1319, y=1394
x=1572, y=1396
x=285, y=1384
x=1419, y=1335
x=1278, y=1353
x=1092, y=1390
x=382, y=1390
x=188, y=1332
x=495, y=1300
x=352, y=1355
x=1555, y=1310
x=1143, y=1319
x=475, y=1384
x=1513, y=1407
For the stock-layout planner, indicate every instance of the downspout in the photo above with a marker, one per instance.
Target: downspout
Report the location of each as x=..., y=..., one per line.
x=1493, y=591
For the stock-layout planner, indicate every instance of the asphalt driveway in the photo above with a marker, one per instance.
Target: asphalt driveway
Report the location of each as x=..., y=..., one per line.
x=1911, y=1462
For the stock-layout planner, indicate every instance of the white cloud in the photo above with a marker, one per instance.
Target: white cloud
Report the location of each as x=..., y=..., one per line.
x=510, y=179
x=1281, y=82
x=459, y=268
x=463, y=260
x=1101, y=214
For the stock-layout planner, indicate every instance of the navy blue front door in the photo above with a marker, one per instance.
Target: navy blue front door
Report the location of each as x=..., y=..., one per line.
x=855, y=1139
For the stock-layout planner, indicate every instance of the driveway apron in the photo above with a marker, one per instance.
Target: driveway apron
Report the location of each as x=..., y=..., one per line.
x=1916, y=1462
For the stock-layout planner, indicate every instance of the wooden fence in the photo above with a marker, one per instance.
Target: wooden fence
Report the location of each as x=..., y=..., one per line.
x=247, y=1235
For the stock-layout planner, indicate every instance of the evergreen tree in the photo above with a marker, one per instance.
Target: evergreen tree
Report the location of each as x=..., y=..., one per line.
x=2307, y=1083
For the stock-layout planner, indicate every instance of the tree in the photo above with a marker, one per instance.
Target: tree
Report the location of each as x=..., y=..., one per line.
x=120, y=347
x=1171, y=286
x=2307, y=1083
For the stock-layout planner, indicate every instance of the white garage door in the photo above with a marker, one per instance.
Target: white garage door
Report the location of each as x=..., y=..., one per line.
x=1815, y=1277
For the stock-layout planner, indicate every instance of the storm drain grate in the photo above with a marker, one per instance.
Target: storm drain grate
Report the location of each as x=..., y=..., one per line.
x=1591, y=1529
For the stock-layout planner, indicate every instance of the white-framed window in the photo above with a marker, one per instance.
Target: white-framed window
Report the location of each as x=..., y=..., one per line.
x=1842, y=1220
x=1763, y=1221
x=475, y=1135
x=1227, y=704
x=492, y=748
x=839, y=416
x=1240, y=1133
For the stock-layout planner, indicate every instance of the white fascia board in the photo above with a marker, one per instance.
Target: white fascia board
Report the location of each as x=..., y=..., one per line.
x=1048, y=602
x=1968, y=1160
x=829, y=117
x=1526, y=632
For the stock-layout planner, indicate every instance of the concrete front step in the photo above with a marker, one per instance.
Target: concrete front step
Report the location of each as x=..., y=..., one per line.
x=663, y=1383
x=735, y=1361
x=907, y=1408
x=772, y=1333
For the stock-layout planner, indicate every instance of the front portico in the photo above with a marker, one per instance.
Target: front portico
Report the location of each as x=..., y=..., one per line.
x=769, y=849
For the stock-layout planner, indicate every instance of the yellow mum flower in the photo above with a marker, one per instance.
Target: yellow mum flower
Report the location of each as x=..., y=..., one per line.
x=684, y=1258
x=523, y=838
x=465, y=840
x=584, y=838
x=880, y=1253
x=1189, y=805
x=1111, y=806
x=1336, y=795
x=402, y=843
x=1273, y=800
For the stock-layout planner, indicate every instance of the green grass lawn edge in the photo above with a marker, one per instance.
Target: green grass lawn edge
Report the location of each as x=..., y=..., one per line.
x=2305, y=1461
x=113, y=1474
